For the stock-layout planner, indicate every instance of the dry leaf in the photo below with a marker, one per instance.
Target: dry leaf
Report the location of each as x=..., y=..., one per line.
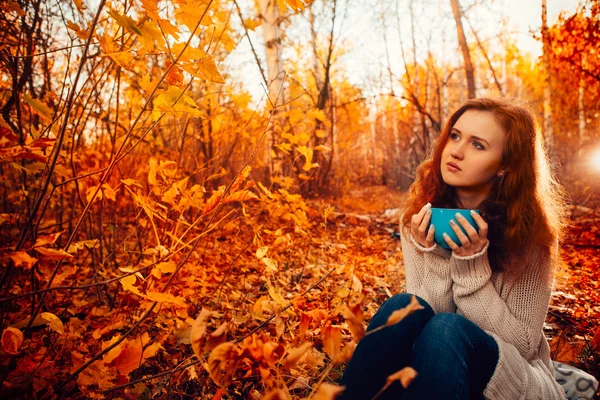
x=405, y=376
x=222, y=363
x=332, y=340
x=12, y=339
x=295, y=354
x=399, y=315
x=199, y=331
x=327, y=391
x=54, y=322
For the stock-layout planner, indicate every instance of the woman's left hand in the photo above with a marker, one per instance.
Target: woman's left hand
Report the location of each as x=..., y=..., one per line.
x=472, y=244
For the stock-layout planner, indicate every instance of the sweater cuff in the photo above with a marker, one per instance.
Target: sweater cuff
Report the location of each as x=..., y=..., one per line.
x=435, y=249
x=474, y=268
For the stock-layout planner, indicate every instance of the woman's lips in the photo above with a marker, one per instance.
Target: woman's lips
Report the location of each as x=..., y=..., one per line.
x=452, y=168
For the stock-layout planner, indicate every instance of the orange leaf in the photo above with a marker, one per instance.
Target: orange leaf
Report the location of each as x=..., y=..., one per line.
x=242, y=195
x=198, y=331
x=130, y=357
x=328, y=391
x=222, y=363
x=21, y=257
x=399, y=315
x=296, y=354
x=354, y=317
x=48, y=239
x=12, y=339
x=213, y=201
x=53, y=254
x=405, y=376
x=332, y=339
x=240, y=178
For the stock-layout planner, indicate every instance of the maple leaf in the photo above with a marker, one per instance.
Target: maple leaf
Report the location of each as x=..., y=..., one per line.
x=125, y=21
x=295, y=354
x=174, y=101
x=332, y=339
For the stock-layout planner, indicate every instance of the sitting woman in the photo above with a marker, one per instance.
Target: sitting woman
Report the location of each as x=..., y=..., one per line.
x=485, y=299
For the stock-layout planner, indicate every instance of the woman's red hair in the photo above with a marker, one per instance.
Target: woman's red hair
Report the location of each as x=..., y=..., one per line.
x=527, y=206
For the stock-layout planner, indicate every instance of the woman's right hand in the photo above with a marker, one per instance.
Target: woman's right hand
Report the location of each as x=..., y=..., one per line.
x=419, y=224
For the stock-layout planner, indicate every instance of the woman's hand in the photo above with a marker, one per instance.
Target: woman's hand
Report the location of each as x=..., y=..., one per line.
x=472, y=244
x=419, y=224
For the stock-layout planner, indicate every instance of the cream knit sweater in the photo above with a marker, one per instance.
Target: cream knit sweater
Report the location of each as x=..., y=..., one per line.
x=513, y=313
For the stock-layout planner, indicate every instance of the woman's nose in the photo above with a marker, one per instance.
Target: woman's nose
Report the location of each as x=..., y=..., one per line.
x=457, y=151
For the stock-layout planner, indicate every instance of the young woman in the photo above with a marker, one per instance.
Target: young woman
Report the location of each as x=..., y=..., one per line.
x=480, y=334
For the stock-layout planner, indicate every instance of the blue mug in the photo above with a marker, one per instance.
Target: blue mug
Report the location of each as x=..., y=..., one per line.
x=440, y=218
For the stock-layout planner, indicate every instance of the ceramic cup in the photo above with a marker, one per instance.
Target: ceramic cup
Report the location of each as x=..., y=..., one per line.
x=440, y=218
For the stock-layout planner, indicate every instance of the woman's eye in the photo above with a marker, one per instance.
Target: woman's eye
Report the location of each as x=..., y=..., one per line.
x=452, y=135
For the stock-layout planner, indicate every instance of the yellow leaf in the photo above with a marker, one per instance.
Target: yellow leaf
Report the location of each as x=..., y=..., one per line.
x=174, y=101
x=316, y=114
x=270, y=263
x=21, y=257
x=90, y=244
x=209, y=69
x=214, y=200
x=275, y=295
x=167, y=267
x=12, y=339
x=128, y=282
x=125, y=21
x=190, y=13
x=54, y=322
x=198, y=331
x=170, y=195
x=251, y=24
x=261, y=252
x=240, y=178
x=151, y=34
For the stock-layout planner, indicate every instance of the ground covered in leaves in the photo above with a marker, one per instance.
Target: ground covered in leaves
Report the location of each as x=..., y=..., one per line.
x=264, y=307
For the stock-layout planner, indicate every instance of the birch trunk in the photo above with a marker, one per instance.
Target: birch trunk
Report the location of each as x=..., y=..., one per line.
x=462, y=41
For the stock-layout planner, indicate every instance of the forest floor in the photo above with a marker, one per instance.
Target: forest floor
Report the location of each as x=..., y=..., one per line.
x=271, y=301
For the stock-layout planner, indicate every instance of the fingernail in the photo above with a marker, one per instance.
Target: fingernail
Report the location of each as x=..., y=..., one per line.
x=451, y=222
x=444, y=234
x=429, y=211
x=458, y=215
x=473, y=212
x=428, y=205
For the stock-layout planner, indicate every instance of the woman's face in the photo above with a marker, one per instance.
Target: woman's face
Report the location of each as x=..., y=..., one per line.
x=475, y=146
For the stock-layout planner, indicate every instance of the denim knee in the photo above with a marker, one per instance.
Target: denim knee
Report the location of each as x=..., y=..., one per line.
x=397, y=302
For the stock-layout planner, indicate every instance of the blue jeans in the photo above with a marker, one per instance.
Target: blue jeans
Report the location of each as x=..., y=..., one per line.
x=454, y=358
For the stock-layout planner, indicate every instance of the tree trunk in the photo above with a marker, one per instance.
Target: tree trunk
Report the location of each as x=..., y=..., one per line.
x=272, y=36
x=462, y=41
x=548, y=129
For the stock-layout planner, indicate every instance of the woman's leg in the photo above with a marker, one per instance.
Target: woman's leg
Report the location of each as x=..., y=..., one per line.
x=454, y=359
x=384, y=352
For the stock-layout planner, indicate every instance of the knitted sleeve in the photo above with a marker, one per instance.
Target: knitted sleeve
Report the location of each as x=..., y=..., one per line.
x=520, y=319
x=427, y=273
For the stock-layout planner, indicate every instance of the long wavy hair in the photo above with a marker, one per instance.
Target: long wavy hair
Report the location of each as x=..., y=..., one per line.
x=527, y=206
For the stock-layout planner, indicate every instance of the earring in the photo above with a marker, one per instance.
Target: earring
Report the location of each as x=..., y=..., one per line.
x=501, y=174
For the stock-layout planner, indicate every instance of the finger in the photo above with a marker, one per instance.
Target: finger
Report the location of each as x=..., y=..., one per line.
x=483, y=226
x=464, y=240
x=450, y=242
x=473, y=235
x=430, y=235
x=417, y=218
x=425, y=224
